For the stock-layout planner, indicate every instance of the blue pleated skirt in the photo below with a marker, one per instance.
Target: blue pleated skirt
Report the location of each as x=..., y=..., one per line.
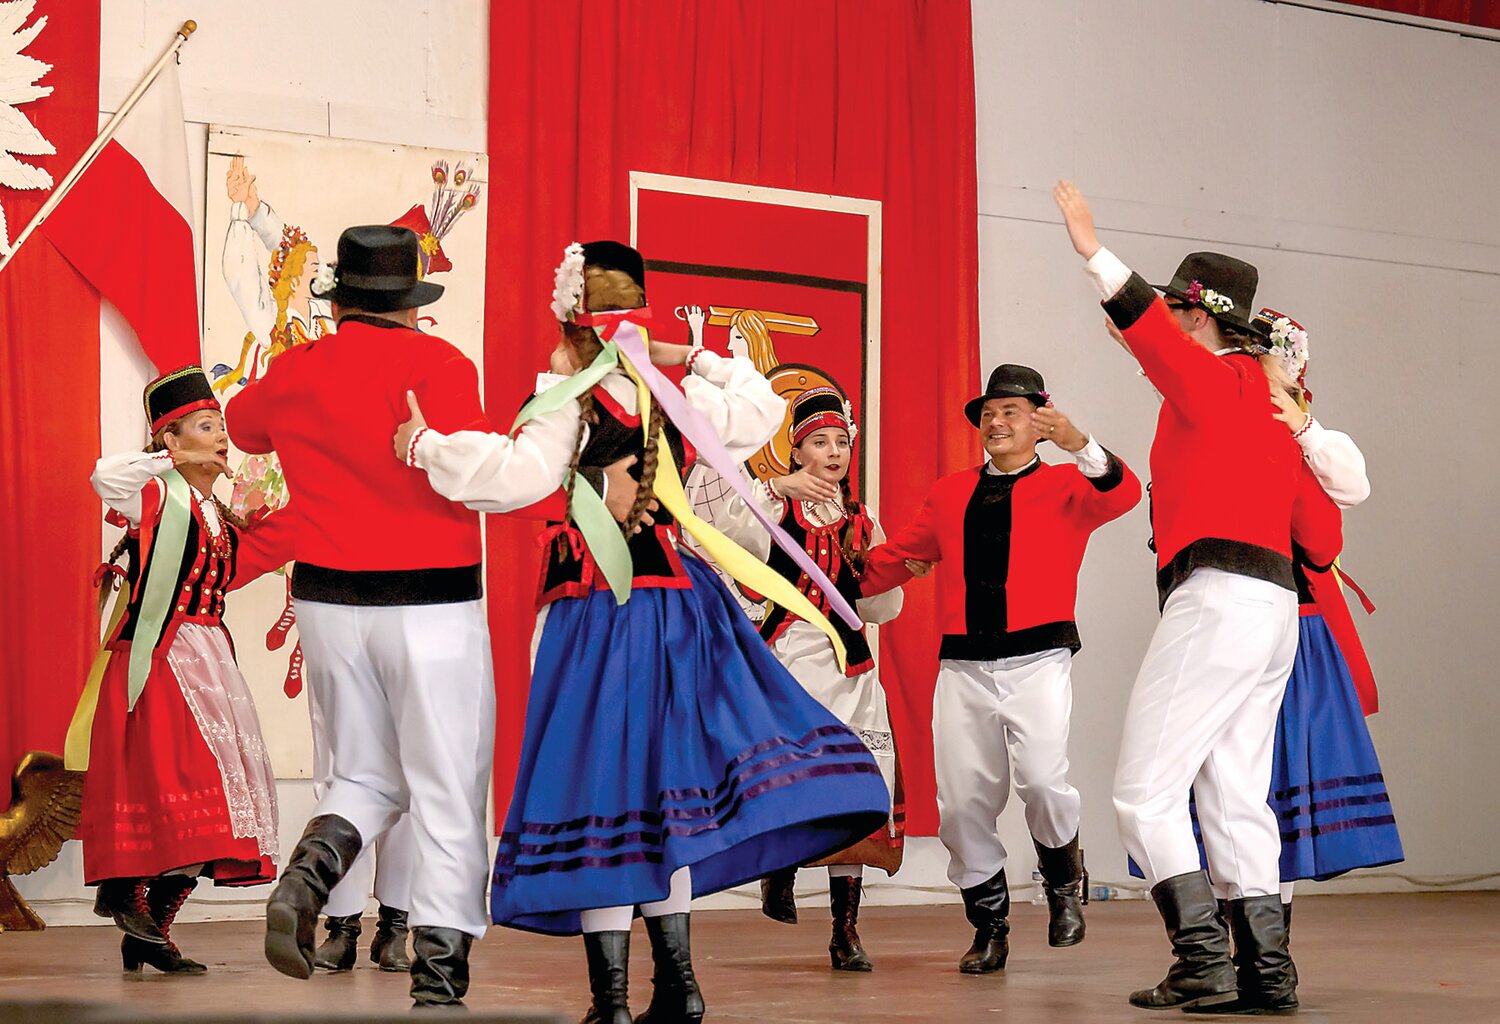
x=663, y=733
x=1327, y=788
x=1326, y=785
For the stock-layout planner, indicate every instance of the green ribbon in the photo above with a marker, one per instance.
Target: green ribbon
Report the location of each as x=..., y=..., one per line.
x=165, y=558
x=600, y=531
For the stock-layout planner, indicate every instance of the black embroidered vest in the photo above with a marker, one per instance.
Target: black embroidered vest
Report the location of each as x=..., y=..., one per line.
x=567, y=568
x=825, y=546
x=199, y=580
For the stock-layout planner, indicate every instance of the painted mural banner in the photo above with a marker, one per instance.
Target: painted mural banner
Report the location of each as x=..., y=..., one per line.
x=276, y=205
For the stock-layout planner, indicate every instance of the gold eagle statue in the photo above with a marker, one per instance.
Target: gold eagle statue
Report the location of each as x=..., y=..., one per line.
x=45, y=799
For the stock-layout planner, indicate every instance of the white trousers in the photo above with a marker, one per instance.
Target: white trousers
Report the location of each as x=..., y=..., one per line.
x=1202, y=715
x=991, y=721
x=409, y=699
x=390, y=860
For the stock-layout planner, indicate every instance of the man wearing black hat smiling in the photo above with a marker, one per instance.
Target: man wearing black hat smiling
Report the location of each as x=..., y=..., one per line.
x=389, y=602
x=1012, y=533
x=1229, y=495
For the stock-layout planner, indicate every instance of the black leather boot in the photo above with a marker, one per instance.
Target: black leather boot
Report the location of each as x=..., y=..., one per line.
x=987, y=906
x=1202, y=975
x=439, y=966
x=165, y=896
x=339, y=951
x=778, y=898
x=608, y=956
x=1263, y=968
x=1062, y=880
x=845, y=949
x=124, y=900
x=388, y=948
x=675, y=998
x=327, y=847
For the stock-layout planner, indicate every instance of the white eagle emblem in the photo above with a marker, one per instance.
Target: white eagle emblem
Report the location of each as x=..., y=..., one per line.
x=19, y=75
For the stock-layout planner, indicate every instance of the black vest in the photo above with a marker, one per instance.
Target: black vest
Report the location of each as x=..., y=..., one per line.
x=653, y=557
x=824, y=545
x=199, y=580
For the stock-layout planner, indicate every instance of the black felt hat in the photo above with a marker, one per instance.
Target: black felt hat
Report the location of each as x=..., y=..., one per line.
x=173, y=395
x=1009, y=380
x=817, y=408
x=379, y=270
x=1222, y=286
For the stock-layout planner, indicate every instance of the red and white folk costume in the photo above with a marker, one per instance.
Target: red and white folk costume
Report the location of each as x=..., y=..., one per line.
x=183, y=778
x=837, y=536
x=1011, y=545
x=179, y=784
x=1230, y=496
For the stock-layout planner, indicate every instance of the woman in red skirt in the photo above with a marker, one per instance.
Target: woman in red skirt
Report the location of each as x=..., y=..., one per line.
x=179, y=783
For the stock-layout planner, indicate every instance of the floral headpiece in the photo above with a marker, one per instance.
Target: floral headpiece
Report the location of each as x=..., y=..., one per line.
x=1209, y=299
x=326, y=281
x=1287, y=340
x=567, y=286
x=291, y=237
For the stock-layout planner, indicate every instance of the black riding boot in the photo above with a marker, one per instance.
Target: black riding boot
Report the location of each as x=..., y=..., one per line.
x=675, y=998
x=987, y=907
x=845, y=950
x=388, y=948
x=440, y=966
x=1202, y=975
x=608, y=955
x=165, y=897
x=1263, y=968
x=778, y=898
x=339, y=951
x=1062, y=880
x=124, y=899
x=327, y=847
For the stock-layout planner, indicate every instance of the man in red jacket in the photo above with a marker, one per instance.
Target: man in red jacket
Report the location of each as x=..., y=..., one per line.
x=1230, y=494
x=1012, y=533
x=389, y=603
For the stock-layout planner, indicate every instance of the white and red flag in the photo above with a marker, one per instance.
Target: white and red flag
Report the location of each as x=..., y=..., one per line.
x=126, y=226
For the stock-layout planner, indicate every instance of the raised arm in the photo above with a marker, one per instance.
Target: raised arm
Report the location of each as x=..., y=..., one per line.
x=119, y=480
x=491, y=472
x=1190, y=377
x=1332, y=455
x=735, y=399
x=736, y=521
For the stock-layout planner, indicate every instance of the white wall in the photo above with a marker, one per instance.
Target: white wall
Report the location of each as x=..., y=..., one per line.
x=1352, y=161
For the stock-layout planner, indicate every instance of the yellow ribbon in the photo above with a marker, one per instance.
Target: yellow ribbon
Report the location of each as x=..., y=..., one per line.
x=733, y=559
x=81, y=728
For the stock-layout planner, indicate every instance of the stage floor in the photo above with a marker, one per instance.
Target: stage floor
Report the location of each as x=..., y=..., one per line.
x=1364, y=959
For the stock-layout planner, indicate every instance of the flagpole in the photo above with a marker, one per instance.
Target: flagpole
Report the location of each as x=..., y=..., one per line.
x=107, y=133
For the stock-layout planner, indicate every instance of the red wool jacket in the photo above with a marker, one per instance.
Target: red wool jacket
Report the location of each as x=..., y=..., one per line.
x=328, y=409
x=1013, y=546
x=1225, y=475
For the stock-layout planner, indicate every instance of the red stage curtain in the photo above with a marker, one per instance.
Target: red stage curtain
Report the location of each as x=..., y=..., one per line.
x=49, y=420
x=1483, y=13
x=871, y=100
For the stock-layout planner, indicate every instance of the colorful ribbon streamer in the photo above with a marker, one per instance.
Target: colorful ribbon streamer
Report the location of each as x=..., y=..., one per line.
x=161, y=586
x=81, y=728
x=732, y=558
x=632, y=342
x=600, y=531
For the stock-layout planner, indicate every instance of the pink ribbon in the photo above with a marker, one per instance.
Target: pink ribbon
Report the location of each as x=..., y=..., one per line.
x=703, y=437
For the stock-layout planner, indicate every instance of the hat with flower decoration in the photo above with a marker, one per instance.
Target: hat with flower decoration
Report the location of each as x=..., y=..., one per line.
x=1220, y=285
